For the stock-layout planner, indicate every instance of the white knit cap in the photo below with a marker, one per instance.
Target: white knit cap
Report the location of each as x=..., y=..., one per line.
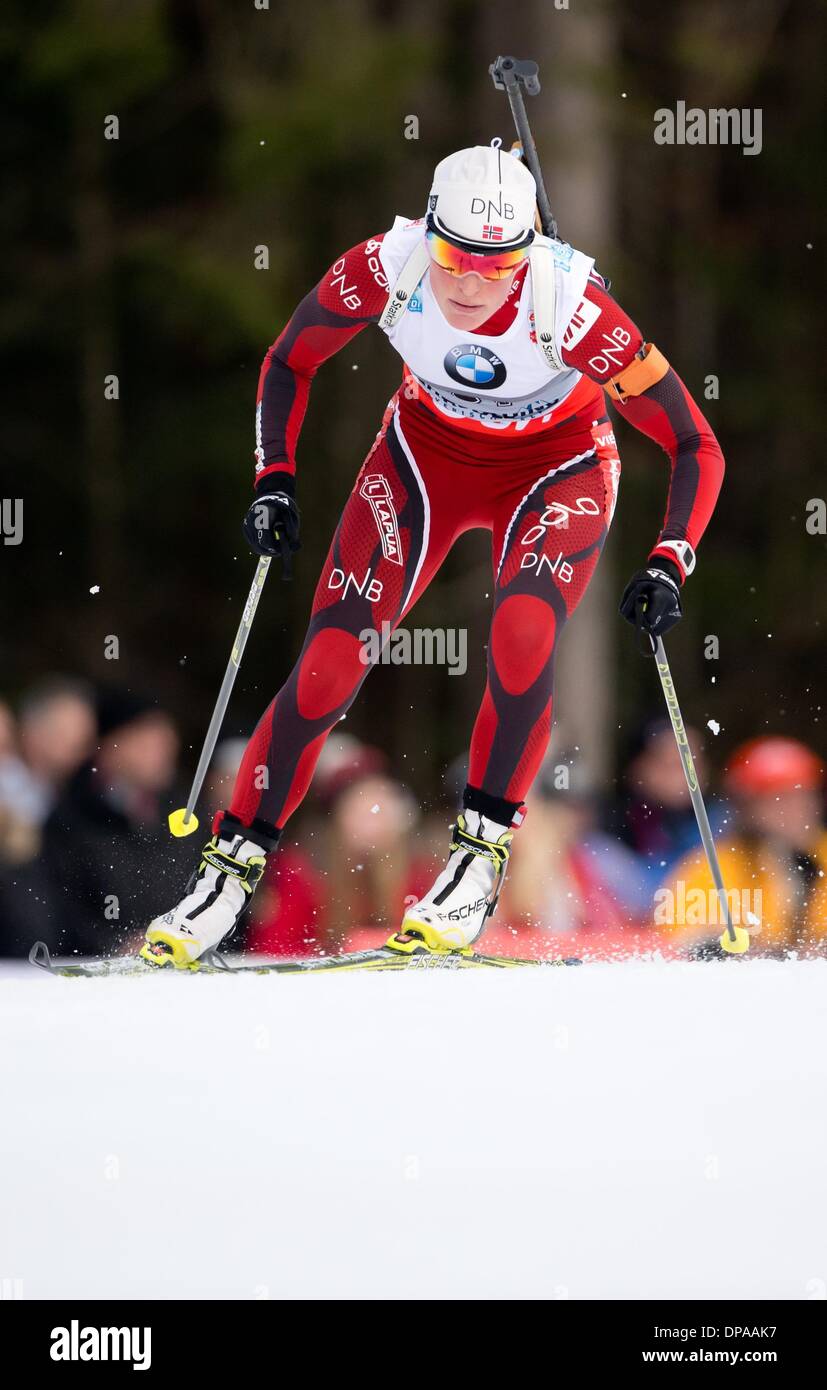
x=483, y=196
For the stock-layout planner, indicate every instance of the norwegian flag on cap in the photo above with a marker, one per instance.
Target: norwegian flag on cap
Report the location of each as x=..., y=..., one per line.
x=491, y=233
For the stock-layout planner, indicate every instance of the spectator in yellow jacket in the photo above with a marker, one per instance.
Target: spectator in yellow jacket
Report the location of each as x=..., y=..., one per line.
x=774, y=861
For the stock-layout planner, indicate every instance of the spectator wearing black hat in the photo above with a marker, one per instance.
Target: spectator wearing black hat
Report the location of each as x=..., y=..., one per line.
x=106, y=848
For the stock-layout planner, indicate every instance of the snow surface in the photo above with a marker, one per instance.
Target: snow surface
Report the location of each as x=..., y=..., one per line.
x=619, y=1130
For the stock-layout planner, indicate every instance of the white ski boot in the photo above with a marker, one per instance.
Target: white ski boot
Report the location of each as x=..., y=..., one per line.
x=453, y=912
x=232, y=863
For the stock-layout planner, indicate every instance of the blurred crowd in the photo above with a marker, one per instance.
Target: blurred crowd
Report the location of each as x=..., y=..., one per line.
x=88, y=777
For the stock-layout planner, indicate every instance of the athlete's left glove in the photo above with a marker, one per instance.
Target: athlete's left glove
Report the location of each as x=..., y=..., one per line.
x=652, y=599
x=271, y=527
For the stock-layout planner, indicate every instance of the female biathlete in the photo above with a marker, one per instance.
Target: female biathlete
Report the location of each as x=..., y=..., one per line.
x=508, y=341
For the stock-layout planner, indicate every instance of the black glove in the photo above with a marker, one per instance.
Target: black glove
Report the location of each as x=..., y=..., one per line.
x=271, y=527
x=652, y=599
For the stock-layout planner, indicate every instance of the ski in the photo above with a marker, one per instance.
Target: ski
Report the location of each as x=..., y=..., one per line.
x=377, y=958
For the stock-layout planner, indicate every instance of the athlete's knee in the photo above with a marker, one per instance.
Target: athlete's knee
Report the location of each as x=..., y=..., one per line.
x=523, y=634
x=330, y=671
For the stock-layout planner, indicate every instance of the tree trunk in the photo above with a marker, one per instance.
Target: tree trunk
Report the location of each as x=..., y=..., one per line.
x=97, y=357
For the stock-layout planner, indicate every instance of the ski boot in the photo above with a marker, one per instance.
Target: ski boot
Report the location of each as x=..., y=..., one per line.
x=217, y=895
x=453, y=912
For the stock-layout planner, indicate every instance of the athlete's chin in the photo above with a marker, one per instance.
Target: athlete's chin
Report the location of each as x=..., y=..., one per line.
x=461, y=317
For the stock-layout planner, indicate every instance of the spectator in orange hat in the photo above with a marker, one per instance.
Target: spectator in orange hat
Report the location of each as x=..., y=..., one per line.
x=774, y=864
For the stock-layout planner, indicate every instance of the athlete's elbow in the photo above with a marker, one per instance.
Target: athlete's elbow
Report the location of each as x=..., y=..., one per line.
x=703, y=446
x=277, y=364
x=715, y=457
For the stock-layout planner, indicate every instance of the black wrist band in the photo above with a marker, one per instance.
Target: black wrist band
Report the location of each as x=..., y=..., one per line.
x=669, y=567
x=276, y=482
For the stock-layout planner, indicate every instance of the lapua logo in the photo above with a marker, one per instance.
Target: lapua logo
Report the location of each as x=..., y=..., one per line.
x=376, y=491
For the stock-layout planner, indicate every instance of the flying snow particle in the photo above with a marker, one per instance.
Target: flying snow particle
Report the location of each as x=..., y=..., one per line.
x=714, y=726
x=95, y=589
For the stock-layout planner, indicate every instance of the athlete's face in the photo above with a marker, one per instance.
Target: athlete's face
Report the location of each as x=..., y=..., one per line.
x=467, y=301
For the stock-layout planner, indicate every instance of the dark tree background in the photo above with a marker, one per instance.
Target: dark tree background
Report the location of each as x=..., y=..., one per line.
x=286, y=126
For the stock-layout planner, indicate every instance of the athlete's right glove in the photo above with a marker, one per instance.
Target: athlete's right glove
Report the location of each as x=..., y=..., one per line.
x=271, y=527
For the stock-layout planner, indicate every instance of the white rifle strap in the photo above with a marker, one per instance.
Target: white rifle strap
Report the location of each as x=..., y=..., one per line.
x=409, y=277
x=544, y=290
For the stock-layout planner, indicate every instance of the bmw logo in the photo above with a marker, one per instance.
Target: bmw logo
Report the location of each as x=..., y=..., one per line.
x=472, y=365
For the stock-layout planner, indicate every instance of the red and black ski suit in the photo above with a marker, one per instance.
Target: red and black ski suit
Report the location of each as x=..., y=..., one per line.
x=545, y=494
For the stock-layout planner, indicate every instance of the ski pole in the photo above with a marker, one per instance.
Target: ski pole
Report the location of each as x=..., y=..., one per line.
x=511, y=75
x=735, y=940
x=184, y=821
